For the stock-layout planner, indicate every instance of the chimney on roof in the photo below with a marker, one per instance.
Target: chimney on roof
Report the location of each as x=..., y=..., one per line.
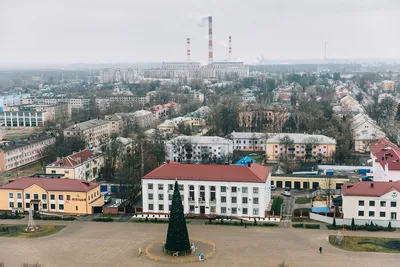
x=226, y=163
x=249, y=164
x=167, y=161
x=372, y=185
x=188, y=162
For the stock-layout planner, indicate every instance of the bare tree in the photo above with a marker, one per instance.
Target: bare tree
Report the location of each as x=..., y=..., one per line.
x=283, y=264
x=329, y=185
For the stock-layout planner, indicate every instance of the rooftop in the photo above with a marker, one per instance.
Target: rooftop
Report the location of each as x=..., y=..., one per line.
x=49, y=184
x=200, y=172
x=382, y=143
x=302, y=138
x=245, y=135
x=370, y=189
x=82, y=126
x=32, y=139
x=75, y=159
x=203, y=139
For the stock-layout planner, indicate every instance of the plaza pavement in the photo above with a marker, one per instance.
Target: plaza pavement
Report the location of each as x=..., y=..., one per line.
x=116, y=244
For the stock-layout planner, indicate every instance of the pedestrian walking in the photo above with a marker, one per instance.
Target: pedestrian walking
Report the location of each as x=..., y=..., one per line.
x=320, y=249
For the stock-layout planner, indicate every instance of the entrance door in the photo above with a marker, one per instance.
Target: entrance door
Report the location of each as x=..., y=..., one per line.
x=296, y=185
x=35, y=207
x=202, y=209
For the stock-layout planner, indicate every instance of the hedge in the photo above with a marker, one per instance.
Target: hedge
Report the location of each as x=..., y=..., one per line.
x=103, y=219
x=9, y=216
x=313, y=226
x=298, y=225
x=55, y=218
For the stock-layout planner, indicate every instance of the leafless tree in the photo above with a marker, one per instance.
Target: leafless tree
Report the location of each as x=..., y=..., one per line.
x=283, y=264
x=329, y=185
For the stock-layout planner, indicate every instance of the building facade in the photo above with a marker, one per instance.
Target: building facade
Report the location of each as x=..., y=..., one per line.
x=385, y=158
x=93, y=132
x=213, y=190
x=84, y=165
x=248, y=141
x=51, y=195
x=365, y=131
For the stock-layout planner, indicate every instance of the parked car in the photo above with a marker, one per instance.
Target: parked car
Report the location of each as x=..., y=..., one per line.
x=286, y=193
x=273, y=187
x=288, y=189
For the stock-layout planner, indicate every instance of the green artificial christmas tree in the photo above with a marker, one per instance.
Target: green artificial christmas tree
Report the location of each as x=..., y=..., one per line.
x=177, y=236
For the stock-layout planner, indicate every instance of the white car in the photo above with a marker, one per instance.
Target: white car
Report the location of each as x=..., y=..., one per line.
x=273, y=187
x=286, y=193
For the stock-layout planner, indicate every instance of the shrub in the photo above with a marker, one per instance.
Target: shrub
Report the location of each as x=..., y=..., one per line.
x=9, y=216
x=353, y=224
x=104, y=219
x=333, y=227
x=298, y=225
x=334, y=222
x=55, y=218
x=241, y=222
x=222, y=221
x=255, y=222
x=269, y=224
x=32, y=265
x=312, y=226
x=147, y=219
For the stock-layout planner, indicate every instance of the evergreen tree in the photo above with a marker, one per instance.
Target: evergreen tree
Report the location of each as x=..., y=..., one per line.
x=177, y=236
x=353, y=225
x=334, y=222
x=389, y=225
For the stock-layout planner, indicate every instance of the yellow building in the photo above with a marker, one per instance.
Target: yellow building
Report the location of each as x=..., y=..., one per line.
x=302, y=147
x=65, y=196
x=389, y=85
x=308, y=182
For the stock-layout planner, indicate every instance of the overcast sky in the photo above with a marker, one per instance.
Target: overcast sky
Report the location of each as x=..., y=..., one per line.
x=102, y=31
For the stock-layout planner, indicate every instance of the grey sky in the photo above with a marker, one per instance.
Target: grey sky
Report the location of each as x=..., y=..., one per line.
x=100, y=31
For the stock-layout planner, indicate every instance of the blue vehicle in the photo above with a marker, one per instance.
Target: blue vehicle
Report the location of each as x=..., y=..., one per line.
x=363, y=171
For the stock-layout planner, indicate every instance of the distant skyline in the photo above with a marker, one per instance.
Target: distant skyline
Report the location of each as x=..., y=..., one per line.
x=44, y=32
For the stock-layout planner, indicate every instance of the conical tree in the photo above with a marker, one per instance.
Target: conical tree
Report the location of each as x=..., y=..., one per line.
x=177, y=236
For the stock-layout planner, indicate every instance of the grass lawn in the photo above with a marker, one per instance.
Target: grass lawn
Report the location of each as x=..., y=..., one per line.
x=110, y=215
x=368, y=244
x=19, y=231
x=303, y=200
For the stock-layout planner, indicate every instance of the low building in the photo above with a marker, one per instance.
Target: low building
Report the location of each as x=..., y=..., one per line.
x=84, y=165
x=209, y=190
x=93, y=132
x=311, y=147
x=17, y=153
x=365, y=131
x=52, y=195
x=198, y=148
x=385, y=157
x=350, y=105
x=377, y=202
x=168, y=126
x=312, y=182
x=248, y=141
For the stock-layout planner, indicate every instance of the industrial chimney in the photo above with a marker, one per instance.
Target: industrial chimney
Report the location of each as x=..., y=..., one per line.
x=210, y=41
x=188, y=49
x=230, y=48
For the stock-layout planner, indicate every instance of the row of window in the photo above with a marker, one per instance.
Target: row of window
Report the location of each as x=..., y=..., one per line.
x=244, y=200
x=44, y=206
x=52, y=197
x=371, y=203
x=250, y=142
x=234, y=189
x=382, y=214
x=234, y=210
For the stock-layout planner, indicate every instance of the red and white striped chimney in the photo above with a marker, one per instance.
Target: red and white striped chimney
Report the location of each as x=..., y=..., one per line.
x=188, y=49
x=230, y=48
x=210, y=41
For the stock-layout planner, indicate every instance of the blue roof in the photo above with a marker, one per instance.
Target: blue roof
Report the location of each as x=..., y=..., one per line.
x=320, y=209
x=245, y=161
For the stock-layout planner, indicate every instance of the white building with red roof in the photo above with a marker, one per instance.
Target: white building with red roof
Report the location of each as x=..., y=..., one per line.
x=209, y=190
x=385, y=157
x=83, y=165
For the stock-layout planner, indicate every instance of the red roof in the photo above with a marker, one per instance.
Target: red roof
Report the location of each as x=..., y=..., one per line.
x=201, y=172
x=51, y=184
x=382, y=143
x=75, y=159
x=389, y=157
x=365, y=189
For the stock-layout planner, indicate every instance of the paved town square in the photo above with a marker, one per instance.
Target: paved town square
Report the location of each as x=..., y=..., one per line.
x=117, y=244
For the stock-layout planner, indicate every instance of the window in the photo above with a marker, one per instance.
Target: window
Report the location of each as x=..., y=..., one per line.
x=61, y=197
x=382, y=214
x=53, y=172
x=68, y=197
x=393, y=204
x=76, y=207
x=160, y=196
x=11, y=204
x=244, y=211
x=234, y=189
x=161, y=207
x=255, y=211
x=52, y=197
x=244, y=189
x=371, y=214
x=44, y=196
x=61, y=207
x=234, y=200
x=160, y=187
x=170, y=187
x=150, y=196
x=372, y=203
x=223, y=210
x=212, y=209
x=27, y=196
x=19, y=205
x=255, y=200
x=234, y=210
x=255, y=190
x=169, y=197
x=19, y=195
x=35, y=196
x=361, y=203
x=10, y=195
x=151, y=207
x=44, y=206
x=52, y=206
x=383, y=203
x=181, y=187
x=223, y=199
x=223, y=188
x=244, y=200
x=150, y=186
x=27, y=205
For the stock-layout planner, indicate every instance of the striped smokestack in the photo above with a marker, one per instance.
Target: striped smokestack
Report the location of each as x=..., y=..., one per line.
x=210, y=41
x=230, y=48
x=188, y=49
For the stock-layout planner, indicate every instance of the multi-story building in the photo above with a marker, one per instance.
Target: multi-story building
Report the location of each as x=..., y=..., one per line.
x=93, y=132
x=18, y=153
x=144, y=118
x=385, y=158
x=365, y=131
x=162, y=112
x=12, y=100
x=273, y=118
x=73, y=103
x=389, y=85
x=53, y=195
x=126, y=100
x=84, y=165
x=213, y=190
x=168, y=126
x=116, y=124
x=248, y=141
x=311, y=147
x=198, y=148
x=377, y=202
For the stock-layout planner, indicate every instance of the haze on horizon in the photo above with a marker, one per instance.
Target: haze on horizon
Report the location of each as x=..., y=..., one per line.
x=100, y=31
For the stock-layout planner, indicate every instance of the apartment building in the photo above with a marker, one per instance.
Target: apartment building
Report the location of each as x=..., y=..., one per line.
x=125, y=100
x=116, y=123
x=198, y=148
x=64, y=196
x=389, y=85
x=21, y=152
x=144, y=118
x=73, y=103
x=300, y=146
x=211, y=190
x=84, y=165
x=377, y=202
x=273, y=117
x=12, y=100
x=93, y=132
x=248, y=141
x=162, y=112
x=365, y=131
x=385, y=158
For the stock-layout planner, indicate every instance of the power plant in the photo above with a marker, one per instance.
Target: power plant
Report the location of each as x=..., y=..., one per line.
x=189, y=69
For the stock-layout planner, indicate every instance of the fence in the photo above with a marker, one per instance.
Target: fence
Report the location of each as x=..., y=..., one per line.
x=347, y=221
x=322, y=192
